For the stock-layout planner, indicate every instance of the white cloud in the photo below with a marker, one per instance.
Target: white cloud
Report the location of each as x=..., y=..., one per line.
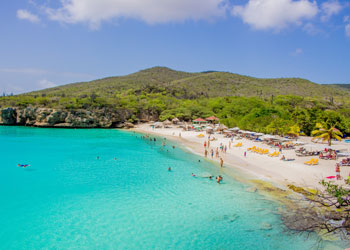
x=275, y=14
x=346, y=19
x=26, y=15
x=329, y=9
x=347, y=30
x=151, y=11
x=44, y=83
x=311, y=29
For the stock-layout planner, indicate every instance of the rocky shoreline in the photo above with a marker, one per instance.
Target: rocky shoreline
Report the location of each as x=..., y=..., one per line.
x=61, y=118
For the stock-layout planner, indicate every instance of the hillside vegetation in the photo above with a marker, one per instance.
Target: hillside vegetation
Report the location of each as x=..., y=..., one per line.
x=266, y=105
x=194, y=85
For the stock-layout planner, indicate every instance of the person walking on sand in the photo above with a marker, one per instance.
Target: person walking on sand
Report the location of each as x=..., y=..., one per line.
x=217, y=153
x=205, y=144
x=212, y=153
x=208, y=142
x=225, y=149
x=221, y=162
x=205, y=152
x=245, y=153
x=229, y=144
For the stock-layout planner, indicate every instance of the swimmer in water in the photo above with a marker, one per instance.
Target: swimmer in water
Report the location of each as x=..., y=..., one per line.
x=169, y=169
x=97, y=157
x=193, y=175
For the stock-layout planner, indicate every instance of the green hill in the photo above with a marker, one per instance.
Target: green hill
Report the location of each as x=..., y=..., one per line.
x=193, y=85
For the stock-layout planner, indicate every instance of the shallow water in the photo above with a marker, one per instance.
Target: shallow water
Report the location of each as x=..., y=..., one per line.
x=69, y=199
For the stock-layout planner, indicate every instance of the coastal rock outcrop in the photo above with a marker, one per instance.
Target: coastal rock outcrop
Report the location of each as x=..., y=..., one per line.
x=64, y=118
x=8, y=116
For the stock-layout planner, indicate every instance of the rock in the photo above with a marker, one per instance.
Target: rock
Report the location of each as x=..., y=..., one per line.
x=47, y=117
x=9, y=116
x=56, y=117
x=41, y=124
x=129, y=125
x=265, y=226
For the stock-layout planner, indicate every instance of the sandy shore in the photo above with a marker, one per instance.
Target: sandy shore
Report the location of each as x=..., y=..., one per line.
x=255, y=166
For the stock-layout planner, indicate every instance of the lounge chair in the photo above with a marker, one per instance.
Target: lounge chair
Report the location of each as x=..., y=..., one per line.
x=272, y=154
x=315, y=162
x=309, y=162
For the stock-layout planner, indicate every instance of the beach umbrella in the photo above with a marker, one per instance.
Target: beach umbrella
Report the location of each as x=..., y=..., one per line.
x=175, y=120
x=158, y=124
x=267, y=137
x=167, y=122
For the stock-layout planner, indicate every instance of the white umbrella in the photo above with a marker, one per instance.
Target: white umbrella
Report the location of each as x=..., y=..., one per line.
x=267, y=137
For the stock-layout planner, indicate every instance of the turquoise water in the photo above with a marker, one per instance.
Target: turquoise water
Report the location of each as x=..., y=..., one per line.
x=69, y=199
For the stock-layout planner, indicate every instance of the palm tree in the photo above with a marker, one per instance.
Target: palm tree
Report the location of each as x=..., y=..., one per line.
x=326, y=133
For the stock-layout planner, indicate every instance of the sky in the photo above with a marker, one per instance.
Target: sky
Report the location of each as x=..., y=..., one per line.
x=46, y=43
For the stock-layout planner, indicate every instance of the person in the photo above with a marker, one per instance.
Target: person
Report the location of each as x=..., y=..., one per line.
x=229, y=144
x=169, y=169
x=245, y=153
x=337, y=171
x=193, y=175
x=199, y=160
x=219, y=179
x=180, y=135
x=209, y=142
x=221, y=162
x=97, y=157
x=225, y=149
x=211, y=177
x=217, y=153
x=205, y=152
x=173, y=147
x=205, y=144
x=212, y=153
x=283, y=158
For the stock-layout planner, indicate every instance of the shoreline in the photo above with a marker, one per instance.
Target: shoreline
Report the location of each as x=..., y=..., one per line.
x=254, y=166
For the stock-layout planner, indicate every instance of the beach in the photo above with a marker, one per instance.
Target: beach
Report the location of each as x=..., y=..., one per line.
x=255, y=166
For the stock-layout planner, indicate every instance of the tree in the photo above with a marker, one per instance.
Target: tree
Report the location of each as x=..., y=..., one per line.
x=294, y=131
x=326, y=132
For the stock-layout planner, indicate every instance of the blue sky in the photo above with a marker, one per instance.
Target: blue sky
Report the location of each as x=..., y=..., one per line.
x=48, y=43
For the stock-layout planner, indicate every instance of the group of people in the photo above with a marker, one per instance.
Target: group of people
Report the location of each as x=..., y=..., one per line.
x=329, y=154
x=223, y=149
x=210, y=177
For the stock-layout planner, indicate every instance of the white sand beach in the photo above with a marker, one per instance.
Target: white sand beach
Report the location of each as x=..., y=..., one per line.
x=256, y=166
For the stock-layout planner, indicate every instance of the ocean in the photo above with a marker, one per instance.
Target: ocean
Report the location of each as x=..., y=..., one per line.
x=76, y=195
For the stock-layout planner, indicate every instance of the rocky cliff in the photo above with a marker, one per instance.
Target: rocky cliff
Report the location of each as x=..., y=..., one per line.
x=45, y=117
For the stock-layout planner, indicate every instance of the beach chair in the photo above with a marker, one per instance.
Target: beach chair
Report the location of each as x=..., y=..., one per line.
x=309, y=162
x=272, y=154
x=315, y=162
x=252, y=148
